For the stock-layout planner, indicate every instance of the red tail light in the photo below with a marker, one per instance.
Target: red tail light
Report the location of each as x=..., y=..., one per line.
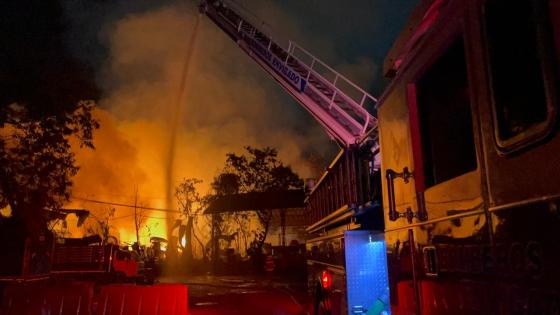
x=326, y=279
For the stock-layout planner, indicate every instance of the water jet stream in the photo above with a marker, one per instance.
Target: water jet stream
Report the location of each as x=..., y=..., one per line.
x=175, y=120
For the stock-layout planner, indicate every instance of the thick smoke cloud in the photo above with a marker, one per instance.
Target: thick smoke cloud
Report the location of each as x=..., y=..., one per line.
x=229, y=103
x=227, y=106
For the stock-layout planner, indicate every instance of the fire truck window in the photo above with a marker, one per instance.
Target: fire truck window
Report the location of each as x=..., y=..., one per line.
x=445, y=118
x=515, y=47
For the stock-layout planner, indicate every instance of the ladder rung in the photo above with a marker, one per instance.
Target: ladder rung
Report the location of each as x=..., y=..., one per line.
x=321, y=91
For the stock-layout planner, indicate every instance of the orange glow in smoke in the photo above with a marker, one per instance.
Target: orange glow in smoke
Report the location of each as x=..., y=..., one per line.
x=131, y=147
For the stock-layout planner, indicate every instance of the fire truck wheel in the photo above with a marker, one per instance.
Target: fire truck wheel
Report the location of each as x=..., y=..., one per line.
x=321, y=301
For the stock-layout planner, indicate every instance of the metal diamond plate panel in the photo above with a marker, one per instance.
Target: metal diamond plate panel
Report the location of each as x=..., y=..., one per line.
x=366, y=273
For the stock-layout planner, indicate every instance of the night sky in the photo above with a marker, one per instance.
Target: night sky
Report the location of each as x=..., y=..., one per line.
x=53, y=48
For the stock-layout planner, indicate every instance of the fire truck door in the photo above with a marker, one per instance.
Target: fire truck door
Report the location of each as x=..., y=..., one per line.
x=398, y=199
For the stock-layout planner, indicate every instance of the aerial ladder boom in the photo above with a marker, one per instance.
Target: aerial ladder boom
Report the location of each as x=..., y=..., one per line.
x=333, y=100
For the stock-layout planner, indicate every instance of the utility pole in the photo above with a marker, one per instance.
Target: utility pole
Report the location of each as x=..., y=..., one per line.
x=283, y=227
x=136, y=218
x=215, y=244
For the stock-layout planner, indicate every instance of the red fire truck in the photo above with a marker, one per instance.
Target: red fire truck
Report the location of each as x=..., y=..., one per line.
x=459, y=214
x=41, y=255
x=469, y=145
x=469, y=140
x=90, y=256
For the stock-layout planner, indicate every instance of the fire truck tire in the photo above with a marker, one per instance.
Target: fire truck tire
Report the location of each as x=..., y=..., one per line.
x=321, y=305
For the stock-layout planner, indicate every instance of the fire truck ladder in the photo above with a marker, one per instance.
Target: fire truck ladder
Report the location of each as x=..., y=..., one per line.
x=336, y=103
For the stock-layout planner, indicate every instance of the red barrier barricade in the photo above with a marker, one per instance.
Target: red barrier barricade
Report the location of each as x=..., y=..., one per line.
x=76, y=299
x=125, y=299
x=72, y=298
x=16, y=299
x=173, y=299
x=64, y=299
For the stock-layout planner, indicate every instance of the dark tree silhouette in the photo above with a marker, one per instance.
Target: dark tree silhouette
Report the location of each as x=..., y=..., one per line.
x=99, y=225
x=41, y=91
x=258, y=170
x=191, y=205
x=36, y=161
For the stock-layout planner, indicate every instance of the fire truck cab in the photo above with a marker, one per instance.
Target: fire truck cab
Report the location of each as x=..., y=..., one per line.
x=470, y=200
x=470, y=152
x=448, y=201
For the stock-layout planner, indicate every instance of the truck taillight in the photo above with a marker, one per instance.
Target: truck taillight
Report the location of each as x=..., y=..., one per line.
x=326, y=279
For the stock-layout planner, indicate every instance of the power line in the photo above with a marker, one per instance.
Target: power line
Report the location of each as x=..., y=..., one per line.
x=156, y=218
x=131, y=215
x=122, y=217
x=124, y=205
x=123, y=196
x=131, y=206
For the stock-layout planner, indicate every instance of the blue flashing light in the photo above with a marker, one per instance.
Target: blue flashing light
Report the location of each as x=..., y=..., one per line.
x=366, y=273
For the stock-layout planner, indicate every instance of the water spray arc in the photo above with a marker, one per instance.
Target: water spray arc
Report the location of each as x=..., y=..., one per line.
x=175, y=121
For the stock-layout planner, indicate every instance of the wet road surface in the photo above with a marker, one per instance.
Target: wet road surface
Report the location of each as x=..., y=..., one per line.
x=245, y=296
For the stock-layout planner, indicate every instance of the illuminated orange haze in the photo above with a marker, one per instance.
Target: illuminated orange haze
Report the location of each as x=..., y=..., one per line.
x=229, y=104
